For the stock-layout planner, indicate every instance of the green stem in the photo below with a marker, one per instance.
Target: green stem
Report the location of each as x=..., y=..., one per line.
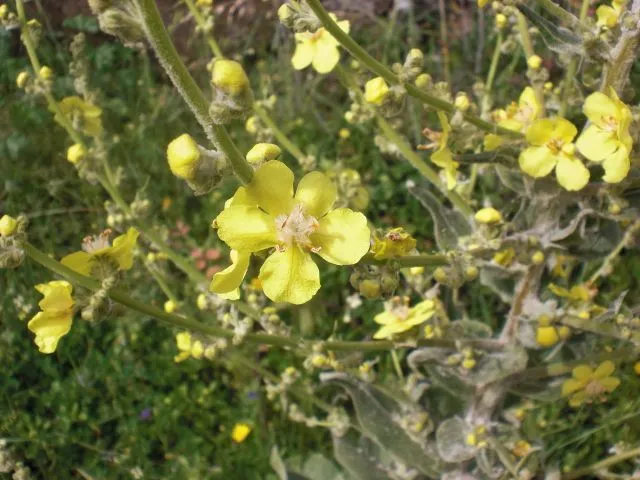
x=492, y=73
x=279, y=134
x=444, y=43
x=602, y=464
x=194, y=97
x=424, y=260
x=162, y=283
x=197, y=16
x=386, y=73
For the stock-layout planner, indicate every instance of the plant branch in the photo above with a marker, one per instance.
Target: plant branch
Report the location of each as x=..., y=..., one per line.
x=602, y=464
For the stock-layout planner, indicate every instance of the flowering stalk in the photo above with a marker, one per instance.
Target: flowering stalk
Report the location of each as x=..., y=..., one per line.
x=623, y=55
x=197, y=16
x=387, y=74
x=192, y=94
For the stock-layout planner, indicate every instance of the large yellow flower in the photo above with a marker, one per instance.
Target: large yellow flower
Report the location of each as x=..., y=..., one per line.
x=54, y=321
x=398, y=317
x=265, y=214
x=607, y=139
x=83, y=115
x=94, y=249
x=587, y=384
x=516, y=117
x=319, y=49
x=551, y=147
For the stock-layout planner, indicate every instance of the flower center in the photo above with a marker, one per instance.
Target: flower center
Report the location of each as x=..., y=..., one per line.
x=296, y=227
x=555, y=145
x=610, y=123
x=94, y=243
x=594, y=389
x=317, y=35
x=399, y=308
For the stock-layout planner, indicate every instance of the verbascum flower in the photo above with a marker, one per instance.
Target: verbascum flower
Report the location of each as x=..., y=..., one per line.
x=516, y=117
x=266, y=214
x=376, y=91
x=98, y=249
x=588, y=385
x=54, y=321
x=398, y=317
x=240, y=432
x=551, y=147
x=84, y=115
x=608, y=16
x=188, y=347
x=443, y=157
x=607, y=138
x=318, y=49
x=396, y=243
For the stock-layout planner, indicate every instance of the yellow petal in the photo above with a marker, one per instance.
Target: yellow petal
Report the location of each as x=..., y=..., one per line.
x=598, y=107
x=577, y=399
x=385, y=318
x=303, y=56
x=610, y=383
x=571, y=173
x=616, y=166
x=582, y=372
x=326, y=57
x=343, y=236
x=537, y=161
x=316, y=193
x=231, y=277
x=290, y=276
x=605, y=369
x=492, y=142
x=57, y=296
x=80, y=262
x=272, y=188
x=545, y=129
x=597, y=144
x=183, y=341
x=570, y=386
x=122, y=249
x=528, y=103
x=246, y=228
x=426, y=307
x=607, y=16
x=49, y=328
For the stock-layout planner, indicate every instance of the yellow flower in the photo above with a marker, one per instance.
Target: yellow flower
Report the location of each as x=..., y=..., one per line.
x=183, y=154
x=488, y=215
x=578, y=293
x=183, y=341
x=75, y=153
x=226, y=282
x=534, y=62
x=551, y=147
x=443, y=157
x=516, y=117
x=54, y=321
x=608, y=16
x=607, y=138
x=265, y=214
x=98, y=248
x=319, y=49
x=396, y=243
x=398, y=317
x=482, y=3
x=587, y=384
x=8, y=225
x=263, y=152
x=376, y=91
x=85, y=115
x=240, y=432
x=229, y=76
x=505, y=257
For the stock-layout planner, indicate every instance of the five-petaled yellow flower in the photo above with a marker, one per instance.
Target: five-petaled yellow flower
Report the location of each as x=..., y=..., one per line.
x=85, y=116
x=516, y=117
x=319, y=49
x=607, y=139
x=265, y=214
x=588, y=385
x=442, y=157
x=98, y=248
x=240, y=432
x=54, y=321
x=398, y=317
x=551, y=147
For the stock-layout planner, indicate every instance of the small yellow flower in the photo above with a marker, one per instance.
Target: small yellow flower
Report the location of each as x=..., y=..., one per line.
x=45, y=73
x=607, y=139
x=534, y=62
x=54, y=321
x=588, y=385
x=376, y=91
x=344, y=133
x=183, y=341
x=229, y=76
x=398, y=317
x=88, y=117
x=75, y=153
x=21, y=79
x=636, y=368
x=266, y=214
x=538, y=258
x=488, y=215
x=516, y=117
x=98, y=248
x=505, y=257
x=551, y=147
x=251, y=125
x=263, y=152
x=443, y=157
x=8, y=225
x=577, y=293
x=318, y=49
x=521, y=448
x=240, y=432
x=183, y=154
x=4, y=10
x=396, y=243
x=608, y=16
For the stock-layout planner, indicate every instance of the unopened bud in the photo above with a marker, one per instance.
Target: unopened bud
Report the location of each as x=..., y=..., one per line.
x=229, y=76
x=423, y=80
x=537, y=258
x=462, y=102
x=8, y=225
x=21, y=79
x=45, y=73
x=534, y=62
x=547, y=336
x=183, y=154
x=471, y=273
x=369, y=288
x=488, y=215
x=376, y=91
x=170, y=306
x=440, y=274
x=75, y=153
x=501, y=21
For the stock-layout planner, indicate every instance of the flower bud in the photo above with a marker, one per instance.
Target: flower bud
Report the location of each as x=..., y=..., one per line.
x=21, y=79
x=183, y=154
x=8, y=225
x=547, y=336
x=537, y=258
x=423, y=80
x=285, y=14
x=251, y=125
x=263, y=152
x=75, y=153
x=501, y=21
x=229, y=76
x=534, y=62
x=440, y=274
x=376, y=91
x=462, y=102
x=471, y=273
x=170, y=306
x=45, y=73
x=122, y=22
x=4, y=11
x=369, y=288
x=488, y=215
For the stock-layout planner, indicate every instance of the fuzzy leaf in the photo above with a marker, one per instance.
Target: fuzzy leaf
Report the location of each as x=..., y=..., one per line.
x=359, y=463
x=451, y=440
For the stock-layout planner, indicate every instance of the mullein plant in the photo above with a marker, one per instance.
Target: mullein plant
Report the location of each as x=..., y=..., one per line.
x=458, y=399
